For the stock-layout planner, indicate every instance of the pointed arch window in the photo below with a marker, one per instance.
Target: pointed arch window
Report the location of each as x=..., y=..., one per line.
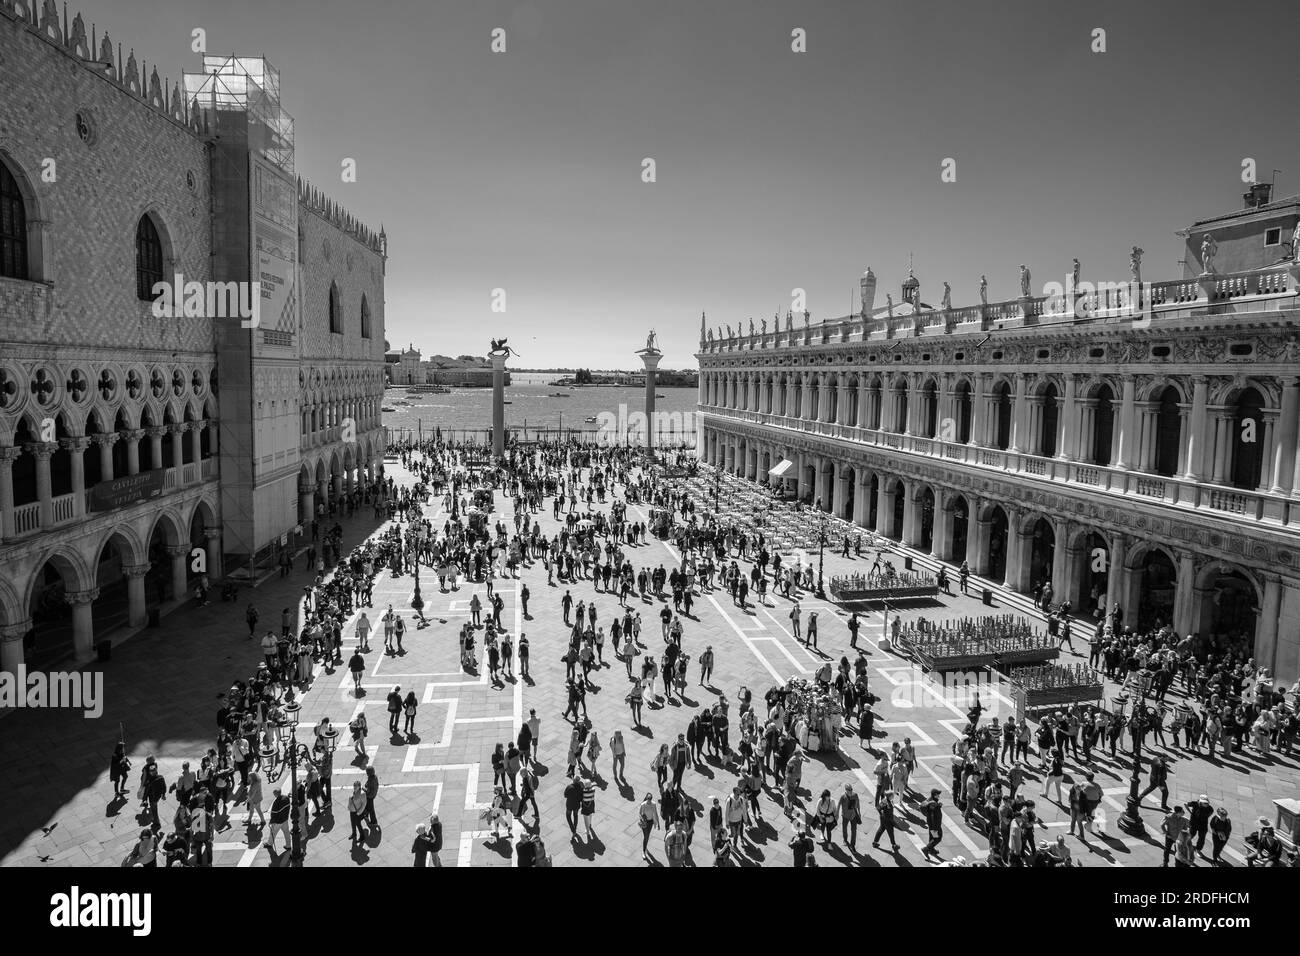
x=13, y=227
x=148, y=259
x=336, y=310
x=365, y=318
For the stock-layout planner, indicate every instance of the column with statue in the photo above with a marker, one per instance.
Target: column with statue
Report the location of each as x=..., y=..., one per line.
x=650, y=355
x=498, y=354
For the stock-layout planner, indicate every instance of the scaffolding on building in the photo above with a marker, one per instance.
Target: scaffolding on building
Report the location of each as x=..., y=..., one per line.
x=249, y=86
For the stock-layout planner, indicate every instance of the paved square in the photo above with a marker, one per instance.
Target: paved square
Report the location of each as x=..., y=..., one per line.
x=163, y=686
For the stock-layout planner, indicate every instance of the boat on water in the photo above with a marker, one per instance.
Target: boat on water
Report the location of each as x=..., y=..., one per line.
x=558, y=395
x=428, y=390
x=590, y=419
x=387, y=408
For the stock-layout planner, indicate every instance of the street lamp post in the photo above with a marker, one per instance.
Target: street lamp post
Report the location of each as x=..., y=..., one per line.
x=287, y=735
x=1131, y=820
x=821, y=549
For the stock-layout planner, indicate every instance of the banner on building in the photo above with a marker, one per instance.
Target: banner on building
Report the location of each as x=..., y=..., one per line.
x=120, y=492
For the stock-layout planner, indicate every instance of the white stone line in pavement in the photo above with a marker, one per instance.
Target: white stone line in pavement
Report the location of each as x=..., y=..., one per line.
x=452, y=704
x=921, y=737
x=747, y=642
x=817, y=661
x=953, y=825
x=503, y=718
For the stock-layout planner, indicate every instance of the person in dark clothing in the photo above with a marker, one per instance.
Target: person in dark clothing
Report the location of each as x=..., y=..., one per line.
x=933, y=810
x=573, y=804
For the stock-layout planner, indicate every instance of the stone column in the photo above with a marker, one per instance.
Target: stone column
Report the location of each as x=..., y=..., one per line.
x=1067, y=425
x=861, y=502
x=1284, y=451
x=1266, y=630
x=105, y=443
x=155, y=433
x=11, y=645
x=8, y=455
x=972, y=555
x=1060, y=580
x=1128, y=436
x=498, y=403
x=179, y=555
x=943, y=519
x=1196, y=437
x=979, y=414
x=911, y=515
x=42, y=451
x=1266, y=453
x=83, y=622
x=212, y=552
x=133, y=438
x=136, y=610
x=842, y=400
x=76, y=447
x=1016, y=566
x=884, y=508
x=1184, y=609
x=1222, y=443
x=838, y=492
x=979, y=543
x=1020, y=416
x=1115, y=573
x=196, y=446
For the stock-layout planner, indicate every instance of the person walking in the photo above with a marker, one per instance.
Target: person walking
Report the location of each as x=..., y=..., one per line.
x=885, y=810
x=572, y=805
x=933, y=810
x=588, y=805
x=648, y=817
x=850, y=816
x=253, y=801
x=394, y=709
x=618, y=753
x=794, y=620
x=372, y=794
x=357, y=813
x=280, y=807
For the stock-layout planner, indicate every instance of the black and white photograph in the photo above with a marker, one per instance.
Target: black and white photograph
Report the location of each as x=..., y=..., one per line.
x=650, y=435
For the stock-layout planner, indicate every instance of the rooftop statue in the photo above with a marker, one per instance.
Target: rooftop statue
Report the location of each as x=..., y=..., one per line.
x=1135, y=264
x=947, y=296
x=651, y=342
x=1024, y=281
x=984, y=290
x=1209, y=249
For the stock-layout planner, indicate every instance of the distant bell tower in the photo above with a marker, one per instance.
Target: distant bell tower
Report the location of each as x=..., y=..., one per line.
x=910, y=285
x=867, y=285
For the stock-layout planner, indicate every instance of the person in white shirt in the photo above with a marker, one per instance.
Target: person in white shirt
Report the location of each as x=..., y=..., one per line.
x=363, y=631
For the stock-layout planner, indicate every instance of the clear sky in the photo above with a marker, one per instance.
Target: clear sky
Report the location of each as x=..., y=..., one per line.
x=775, y=170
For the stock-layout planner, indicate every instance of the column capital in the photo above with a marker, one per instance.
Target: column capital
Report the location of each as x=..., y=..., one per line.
x=87, y=596
x=9, y=454
x=41, y=449
x=15, y=632
x=135, y=434
x=135, y=570
x=106, y=438
x=78, y=443
x=211, y=534
x=178, y=428
x=156, y=431
x=177, y=550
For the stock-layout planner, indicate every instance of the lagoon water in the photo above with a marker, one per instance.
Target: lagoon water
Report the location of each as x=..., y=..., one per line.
x=531, y=406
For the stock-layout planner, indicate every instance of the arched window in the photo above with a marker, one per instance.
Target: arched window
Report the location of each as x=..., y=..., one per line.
x=148, y=259
x=13, y=227
x=365, y=318
x=336, y=310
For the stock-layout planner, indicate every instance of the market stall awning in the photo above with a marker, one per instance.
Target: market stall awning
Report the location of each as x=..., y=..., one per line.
x=780, y=470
